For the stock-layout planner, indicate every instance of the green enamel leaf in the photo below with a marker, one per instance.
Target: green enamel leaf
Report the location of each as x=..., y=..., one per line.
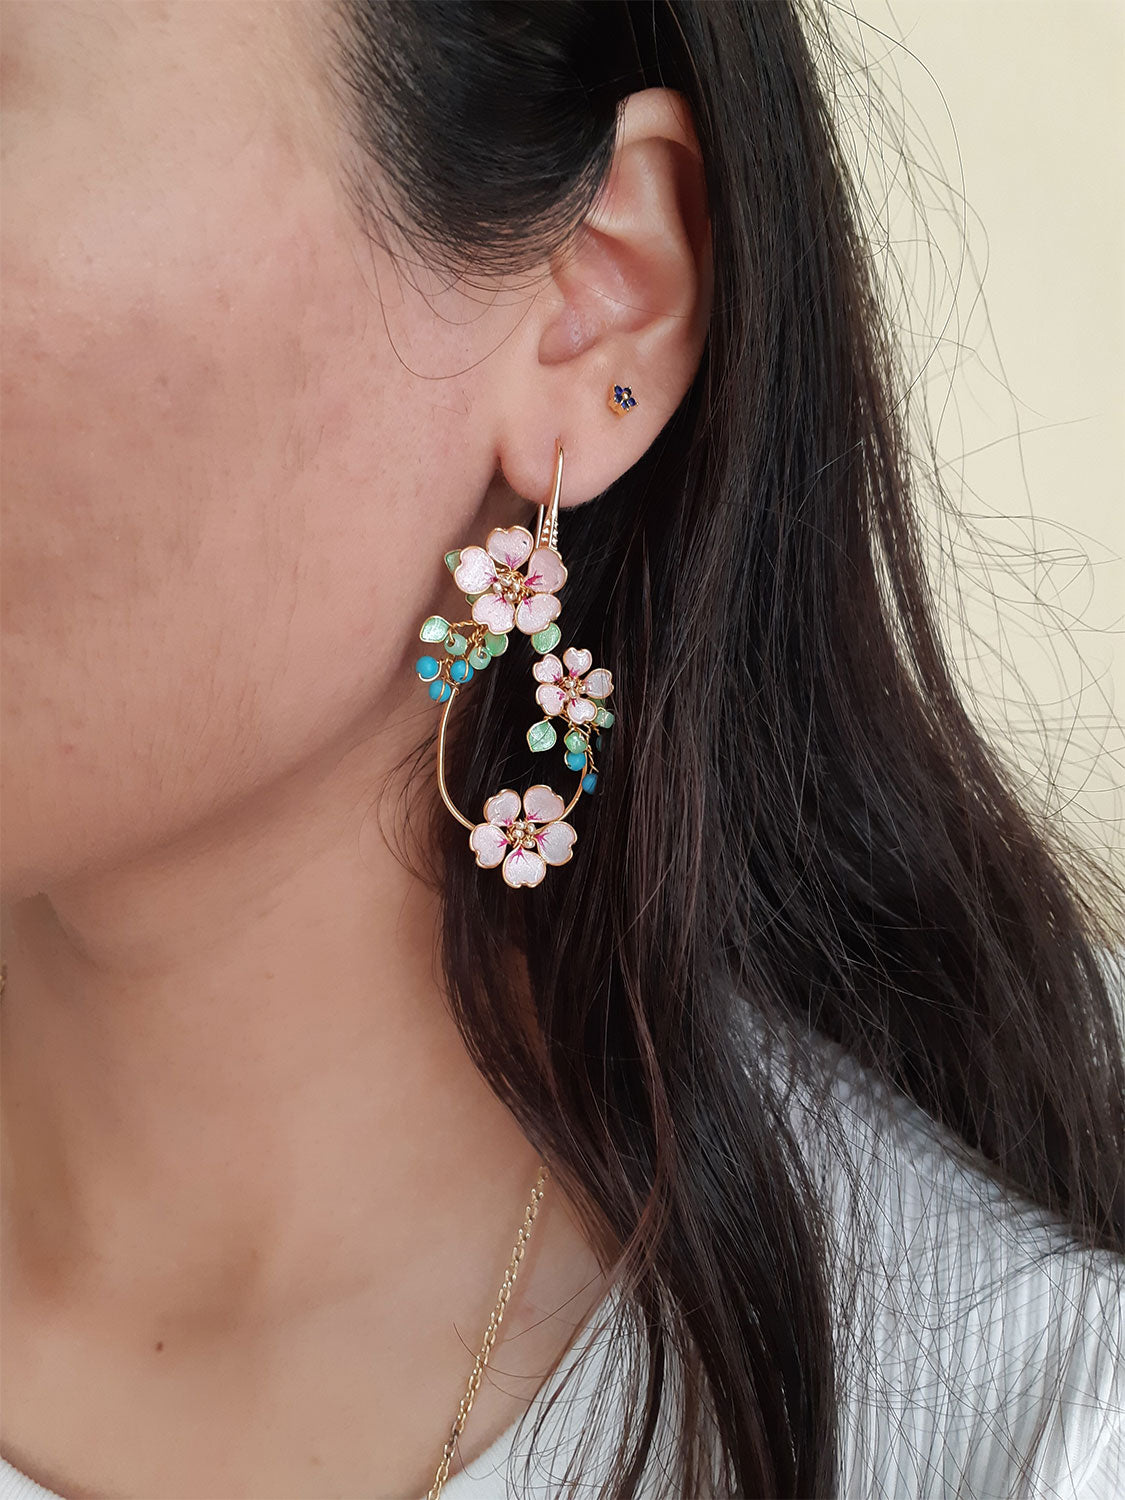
x=434, y=629
x=546, y=639
x=497, y=644
x=541, y=736
x=452, y=559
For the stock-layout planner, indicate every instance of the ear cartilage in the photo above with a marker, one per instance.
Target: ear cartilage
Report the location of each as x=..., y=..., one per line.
x=621, y=399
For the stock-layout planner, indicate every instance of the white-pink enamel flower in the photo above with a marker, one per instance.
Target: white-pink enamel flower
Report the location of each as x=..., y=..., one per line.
x=507, y=596
x=526, y=840
x=568, y=686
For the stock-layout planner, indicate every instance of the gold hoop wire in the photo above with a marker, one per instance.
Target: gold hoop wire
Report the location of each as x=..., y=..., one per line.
x=546, y=535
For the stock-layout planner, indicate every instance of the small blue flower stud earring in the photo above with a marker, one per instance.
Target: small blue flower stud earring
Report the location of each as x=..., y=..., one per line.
x=621, y=399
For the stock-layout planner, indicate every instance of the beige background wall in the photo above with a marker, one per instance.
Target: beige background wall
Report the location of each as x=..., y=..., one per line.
x=1000, y=188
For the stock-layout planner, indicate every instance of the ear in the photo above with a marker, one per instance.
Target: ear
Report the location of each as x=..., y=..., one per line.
x=628, y=304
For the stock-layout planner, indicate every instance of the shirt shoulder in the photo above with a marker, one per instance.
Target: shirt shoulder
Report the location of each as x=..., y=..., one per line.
x=982, y=1351
x=15, y=1485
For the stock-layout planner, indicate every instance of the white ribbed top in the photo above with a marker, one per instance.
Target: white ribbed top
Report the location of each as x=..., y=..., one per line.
x=979, y=1340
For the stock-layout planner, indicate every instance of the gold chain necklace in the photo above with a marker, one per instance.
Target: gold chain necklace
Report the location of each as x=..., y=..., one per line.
x=465, y=1405
x=490, y=1332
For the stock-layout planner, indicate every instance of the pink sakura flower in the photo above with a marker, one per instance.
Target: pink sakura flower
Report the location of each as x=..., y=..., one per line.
x=527, y=841
x=507, y=596
x=569, y=685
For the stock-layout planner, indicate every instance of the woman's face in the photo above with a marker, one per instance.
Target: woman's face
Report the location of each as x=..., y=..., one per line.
x=224, y=510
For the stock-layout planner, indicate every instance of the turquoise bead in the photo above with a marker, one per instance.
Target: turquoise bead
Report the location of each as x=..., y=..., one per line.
x=574, y=760
x=460, y=671
x=440, y=691
x=427, y=668
x=590, y=781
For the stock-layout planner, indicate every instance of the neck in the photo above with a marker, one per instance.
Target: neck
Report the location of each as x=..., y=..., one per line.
x=233, y=1057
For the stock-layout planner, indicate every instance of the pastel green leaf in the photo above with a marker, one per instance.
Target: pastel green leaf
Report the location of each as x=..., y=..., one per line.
x=497, y=644
x=546, y=639
x=434, y=629
x=541, y=736
x=452, y=559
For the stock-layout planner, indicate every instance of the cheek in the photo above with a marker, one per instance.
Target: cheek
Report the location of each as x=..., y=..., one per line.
x=217, y=527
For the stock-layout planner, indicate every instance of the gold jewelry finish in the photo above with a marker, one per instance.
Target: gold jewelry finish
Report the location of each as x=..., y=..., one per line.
x=466, y=1403
x=546, y=535
x=444, y=790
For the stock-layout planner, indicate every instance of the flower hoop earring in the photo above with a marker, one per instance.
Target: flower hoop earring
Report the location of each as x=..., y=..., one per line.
x=513, y=581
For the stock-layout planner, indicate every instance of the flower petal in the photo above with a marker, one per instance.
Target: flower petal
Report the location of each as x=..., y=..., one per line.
x=475, y=572
x=581, y=710
x=535, y=613
x=512, y=547
x=546, y=572
x=555, y=842
x=489, y=844
x=503, y=807
x=541, y=804
x=494, y=612
x=550, y=698
x=598, y=683
x=547, y=669
x=524, y=867
x=577, y=661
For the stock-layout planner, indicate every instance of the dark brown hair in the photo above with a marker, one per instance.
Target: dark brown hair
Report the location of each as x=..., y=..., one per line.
x=796, y=818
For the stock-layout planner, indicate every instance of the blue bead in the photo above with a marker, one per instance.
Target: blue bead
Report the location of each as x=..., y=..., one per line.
x=575, y=760
x=590, y=781
x=460, y=671
x=440, y=691
x=427, y=668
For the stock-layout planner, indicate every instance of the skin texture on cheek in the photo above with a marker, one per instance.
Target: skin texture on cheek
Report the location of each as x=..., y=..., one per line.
x=212, y=453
